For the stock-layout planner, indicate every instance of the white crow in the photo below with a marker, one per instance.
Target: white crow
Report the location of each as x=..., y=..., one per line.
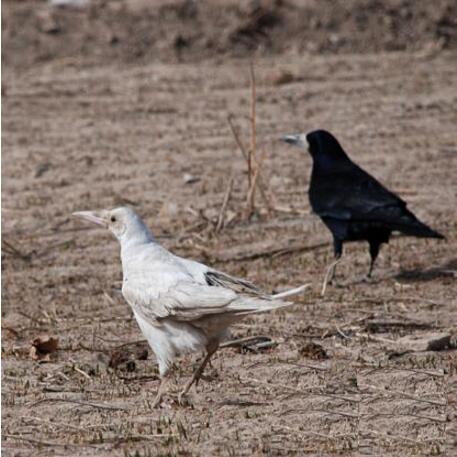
x=181, y=306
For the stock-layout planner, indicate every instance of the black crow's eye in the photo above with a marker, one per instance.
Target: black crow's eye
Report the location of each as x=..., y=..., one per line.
x=113, y=218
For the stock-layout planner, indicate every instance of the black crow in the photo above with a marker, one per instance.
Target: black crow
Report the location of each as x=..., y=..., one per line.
x=352, y=204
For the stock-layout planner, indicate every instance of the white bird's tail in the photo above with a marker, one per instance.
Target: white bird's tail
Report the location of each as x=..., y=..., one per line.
x=251, y=305
x=290, y=292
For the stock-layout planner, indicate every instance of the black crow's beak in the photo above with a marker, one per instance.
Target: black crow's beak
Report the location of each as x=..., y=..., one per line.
x=296, y=140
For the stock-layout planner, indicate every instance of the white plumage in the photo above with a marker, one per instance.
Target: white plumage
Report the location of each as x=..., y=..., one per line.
x=181, y=306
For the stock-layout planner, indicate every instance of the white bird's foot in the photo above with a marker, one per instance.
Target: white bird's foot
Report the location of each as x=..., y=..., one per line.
x=162, y=387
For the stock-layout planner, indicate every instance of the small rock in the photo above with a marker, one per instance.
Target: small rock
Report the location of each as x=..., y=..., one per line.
x=71, y=3
x=427, y=342
x=47, y=23
x=189, y=179
x=42, y=169
x=126, y=355
x=281, y=77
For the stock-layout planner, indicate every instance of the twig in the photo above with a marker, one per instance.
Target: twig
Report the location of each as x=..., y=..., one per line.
x=241, y=341
x=42, y=443
x=338, y=413
x=10, y=249
x=269, y=252
x=302, y=365
x=82, y=372
x=129, y=343
x=251, y=192
x=57, y=423
x=63, y=376
x=139, y=438
x=299, y=248
x=299, y=391
x=252, y=150
x=252, y=153
x=237, y=138
x=377, y=339
x=398, y=323
x=228, y=193
x=307, y=411
x=260, y=183
x=396, y=437
x=109, y=297
x=402, y=394
x=54, y=246
x=412, y=370
x=77, y=402
x=341, y=333
x=419, y=416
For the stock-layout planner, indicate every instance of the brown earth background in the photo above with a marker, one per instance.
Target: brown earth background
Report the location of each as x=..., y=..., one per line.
x=127, y=102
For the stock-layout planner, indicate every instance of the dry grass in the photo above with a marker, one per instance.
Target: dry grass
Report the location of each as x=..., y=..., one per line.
x=112, y=135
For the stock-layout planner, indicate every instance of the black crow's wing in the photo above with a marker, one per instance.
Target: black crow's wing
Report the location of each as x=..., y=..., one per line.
x=354, y=195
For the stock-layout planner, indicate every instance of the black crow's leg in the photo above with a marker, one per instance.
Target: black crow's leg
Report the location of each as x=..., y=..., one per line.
x=331, y=270
x=338, y=250
x=374, y=251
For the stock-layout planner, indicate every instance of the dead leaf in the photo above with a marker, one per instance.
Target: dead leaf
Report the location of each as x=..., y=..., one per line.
x=43, y=347
x=12, y=333
x=127, y=354
x=313, y=351
x=281, y=77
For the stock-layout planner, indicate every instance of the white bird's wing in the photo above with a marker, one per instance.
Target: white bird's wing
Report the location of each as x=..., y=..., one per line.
x=203, y=274
x=186, y=300
x=185, y=290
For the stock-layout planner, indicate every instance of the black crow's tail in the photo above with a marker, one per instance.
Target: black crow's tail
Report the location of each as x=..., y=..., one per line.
x=410, y=225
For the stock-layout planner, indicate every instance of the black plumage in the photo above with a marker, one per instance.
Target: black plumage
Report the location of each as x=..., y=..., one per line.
x=352, y=204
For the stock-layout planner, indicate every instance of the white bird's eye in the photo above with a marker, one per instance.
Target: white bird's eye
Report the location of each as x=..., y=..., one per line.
x=113, y=218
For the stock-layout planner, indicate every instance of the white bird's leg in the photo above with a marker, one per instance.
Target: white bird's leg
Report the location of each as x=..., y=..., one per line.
x=164, y=379
x=211, y=349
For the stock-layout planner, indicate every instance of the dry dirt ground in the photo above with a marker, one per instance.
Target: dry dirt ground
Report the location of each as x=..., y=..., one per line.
x=349, y=374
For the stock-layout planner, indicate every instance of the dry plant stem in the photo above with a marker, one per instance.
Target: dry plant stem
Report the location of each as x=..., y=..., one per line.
x=13, y=251
x=368, y=387
x=228, y=193
x=77, y=402
x=58, y=424
x=253, y=114
x=298, y=391
x=252, y=159
x=273, y=252
x=237, y=137
x=260, y=183
x=251, y=193
x=240, y=341
x=42, y=443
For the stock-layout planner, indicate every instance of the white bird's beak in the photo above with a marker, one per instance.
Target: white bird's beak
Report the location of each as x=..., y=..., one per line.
x=296, y=140
x=96, y=217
